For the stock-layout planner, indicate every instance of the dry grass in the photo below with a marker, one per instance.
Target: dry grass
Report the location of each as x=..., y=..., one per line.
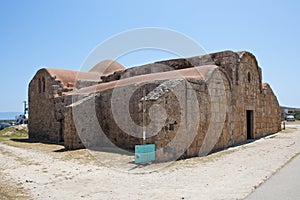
x=13, y=132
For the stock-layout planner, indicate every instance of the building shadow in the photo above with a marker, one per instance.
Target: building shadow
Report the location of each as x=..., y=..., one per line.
x=249, y=141
x=130, y=152
x=114, y=150
x=27, y=140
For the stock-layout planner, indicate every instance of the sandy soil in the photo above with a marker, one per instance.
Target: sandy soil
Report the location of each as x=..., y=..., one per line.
x=44, y=171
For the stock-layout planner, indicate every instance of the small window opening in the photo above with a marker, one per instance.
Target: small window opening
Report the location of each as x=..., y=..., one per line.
x=249, y=77
x=40, y=85
x=43, y=84
x=171, y=127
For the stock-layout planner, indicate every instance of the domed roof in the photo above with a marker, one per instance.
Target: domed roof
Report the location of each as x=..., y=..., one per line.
x=107, y=67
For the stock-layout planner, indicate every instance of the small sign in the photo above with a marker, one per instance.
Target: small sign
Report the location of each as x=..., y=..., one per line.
x=144, y=153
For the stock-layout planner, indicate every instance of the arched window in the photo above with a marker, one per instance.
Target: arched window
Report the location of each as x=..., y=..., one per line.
x=43, y=84
x=249, y=77
x=40, y=85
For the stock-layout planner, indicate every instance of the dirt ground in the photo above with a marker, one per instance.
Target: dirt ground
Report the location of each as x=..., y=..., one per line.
x=46, y=171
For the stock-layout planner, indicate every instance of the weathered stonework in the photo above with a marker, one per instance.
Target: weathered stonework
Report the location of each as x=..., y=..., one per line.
x=188, y=107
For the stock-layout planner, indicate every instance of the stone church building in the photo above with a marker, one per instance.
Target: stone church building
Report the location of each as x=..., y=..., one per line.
x=186, y=107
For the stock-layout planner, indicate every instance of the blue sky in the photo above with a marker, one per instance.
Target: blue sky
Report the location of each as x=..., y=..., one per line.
x=62, y=33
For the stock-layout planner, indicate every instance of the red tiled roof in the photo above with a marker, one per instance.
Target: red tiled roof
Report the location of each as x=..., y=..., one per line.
x=69, y=77
x=194, y=73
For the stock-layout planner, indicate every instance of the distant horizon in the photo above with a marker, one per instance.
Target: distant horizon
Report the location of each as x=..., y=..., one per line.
x=289, y=106
x=12, y=112
x=9, y=115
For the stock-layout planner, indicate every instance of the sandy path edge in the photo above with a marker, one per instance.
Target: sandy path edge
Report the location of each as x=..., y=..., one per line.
x=10, y=190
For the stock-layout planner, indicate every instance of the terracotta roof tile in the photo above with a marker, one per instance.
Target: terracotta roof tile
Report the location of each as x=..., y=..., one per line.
x=69, y=77
x=195, y=73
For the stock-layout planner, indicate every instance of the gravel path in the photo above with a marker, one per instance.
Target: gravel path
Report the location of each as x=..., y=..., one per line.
x=41, y=171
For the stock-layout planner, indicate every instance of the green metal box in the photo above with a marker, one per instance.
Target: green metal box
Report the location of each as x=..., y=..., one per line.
x=144, y=153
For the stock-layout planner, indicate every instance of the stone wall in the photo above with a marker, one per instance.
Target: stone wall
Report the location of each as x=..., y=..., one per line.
x=48, y=100
x=179, y=117
x=114, y=117
x=43, y=124
x=268, y=118
x=246, y=93
x=71, y=137
x=46, y=107
x=81, y=126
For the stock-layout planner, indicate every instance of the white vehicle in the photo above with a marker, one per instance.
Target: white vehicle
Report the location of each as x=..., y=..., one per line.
x=290, y=118
x=22, y=119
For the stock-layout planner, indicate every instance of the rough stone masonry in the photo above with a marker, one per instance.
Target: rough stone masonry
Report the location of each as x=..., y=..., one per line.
x=187, y=107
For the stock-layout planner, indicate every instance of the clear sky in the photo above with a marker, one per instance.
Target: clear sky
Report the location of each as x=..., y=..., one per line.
x=61, y=34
